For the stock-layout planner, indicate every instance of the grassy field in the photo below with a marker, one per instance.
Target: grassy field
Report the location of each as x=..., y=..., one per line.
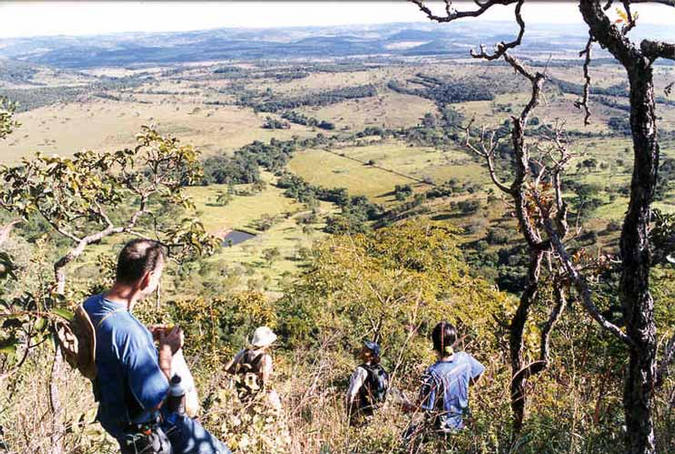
x=329, y=169
x=175, y=99
x=395, y=163
x=389, y=110
x=286, y=234
x=110, y=125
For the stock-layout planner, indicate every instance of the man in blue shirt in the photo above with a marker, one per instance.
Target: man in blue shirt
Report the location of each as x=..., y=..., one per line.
x=132, y=378
x=444, y=395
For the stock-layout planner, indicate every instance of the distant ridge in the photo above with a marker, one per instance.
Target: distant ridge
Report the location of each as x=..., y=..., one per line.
x=398, y=39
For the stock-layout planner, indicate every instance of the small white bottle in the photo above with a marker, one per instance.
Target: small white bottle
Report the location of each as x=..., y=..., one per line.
x=176, y=399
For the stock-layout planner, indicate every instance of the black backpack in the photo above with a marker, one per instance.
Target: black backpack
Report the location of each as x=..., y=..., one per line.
x=374, y=390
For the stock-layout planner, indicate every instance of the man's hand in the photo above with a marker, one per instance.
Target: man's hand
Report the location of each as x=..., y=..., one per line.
x=174, y=338
x=156, y=330
x=170, y=341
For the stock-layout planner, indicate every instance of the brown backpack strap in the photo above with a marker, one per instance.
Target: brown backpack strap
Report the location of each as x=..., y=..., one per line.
x=251, y=362
x=100, y=322
x=86, y=352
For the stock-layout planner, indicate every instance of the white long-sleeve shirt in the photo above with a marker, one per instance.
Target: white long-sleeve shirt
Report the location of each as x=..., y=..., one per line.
x=355, y=382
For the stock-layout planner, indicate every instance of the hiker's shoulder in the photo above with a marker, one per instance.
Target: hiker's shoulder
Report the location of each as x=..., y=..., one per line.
x=98, y=306
x=462, y=356
x=360, y=371
x=430, y=370
x=93, y=304
x=125, y=328
x=465, y=357
x=436, y=370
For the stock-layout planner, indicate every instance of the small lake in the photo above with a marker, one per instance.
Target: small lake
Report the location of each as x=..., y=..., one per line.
x=236, y=237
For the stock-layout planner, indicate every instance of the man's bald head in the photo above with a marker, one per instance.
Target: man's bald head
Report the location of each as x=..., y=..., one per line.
x=137, y=258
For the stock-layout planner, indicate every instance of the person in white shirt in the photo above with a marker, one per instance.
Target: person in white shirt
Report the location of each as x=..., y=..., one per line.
x=254, y=364
x=367, y=387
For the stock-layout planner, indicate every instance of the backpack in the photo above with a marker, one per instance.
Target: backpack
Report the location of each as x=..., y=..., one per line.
x=77, y=341
x=248, y=368
x=374, y=390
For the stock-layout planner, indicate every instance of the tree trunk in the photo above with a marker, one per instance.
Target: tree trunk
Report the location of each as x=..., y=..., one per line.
x=638, y=305
x=58, y=431
x=519, y=190
x=517, y=328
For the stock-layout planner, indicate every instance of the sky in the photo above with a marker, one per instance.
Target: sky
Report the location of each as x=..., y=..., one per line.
x=24, y=19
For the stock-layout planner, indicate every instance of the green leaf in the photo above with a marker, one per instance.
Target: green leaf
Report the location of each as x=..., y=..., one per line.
x=8, y=346
x=63, y=313
x=40, y=324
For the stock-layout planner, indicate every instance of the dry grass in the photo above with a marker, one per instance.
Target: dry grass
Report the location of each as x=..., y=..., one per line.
x=111, y=125
x=388, y=109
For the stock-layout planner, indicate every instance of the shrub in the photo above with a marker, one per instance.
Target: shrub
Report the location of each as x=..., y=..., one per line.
x=497, y=235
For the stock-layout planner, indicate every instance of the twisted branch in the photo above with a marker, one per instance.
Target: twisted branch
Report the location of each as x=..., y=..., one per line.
x=577, y=279
x=452, y=14
x=587, y=84
x=487, y=152
x=542, y=363
x=657, y=49
x=502, y=47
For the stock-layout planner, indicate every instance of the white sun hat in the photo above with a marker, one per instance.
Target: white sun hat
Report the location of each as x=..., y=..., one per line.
x=263, y=337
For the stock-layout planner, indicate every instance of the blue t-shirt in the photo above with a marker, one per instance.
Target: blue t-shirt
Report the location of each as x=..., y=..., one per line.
x=445, y=389
x=129, y=384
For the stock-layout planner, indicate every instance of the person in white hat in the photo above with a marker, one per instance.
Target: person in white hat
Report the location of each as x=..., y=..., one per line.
x=254, y=366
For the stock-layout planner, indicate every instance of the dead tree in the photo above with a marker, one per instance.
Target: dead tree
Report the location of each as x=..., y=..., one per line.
x=538, y=243
x=637, y=302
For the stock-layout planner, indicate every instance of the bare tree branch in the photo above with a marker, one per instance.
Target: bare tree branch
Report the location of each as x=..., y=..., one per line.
x=542, y=363
x=102, y=214
x=554, y=316
x=502, y=47
x=668, y=89
x=486, y=152
x=56, y=226
x=631, y=20
x=663, y=2
x=515, y=63
x=587, y=84
x=559, y=165
x=657, y=49
x=452, y=14
x=612, y=38
x=578, y=280
x=519, y=187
